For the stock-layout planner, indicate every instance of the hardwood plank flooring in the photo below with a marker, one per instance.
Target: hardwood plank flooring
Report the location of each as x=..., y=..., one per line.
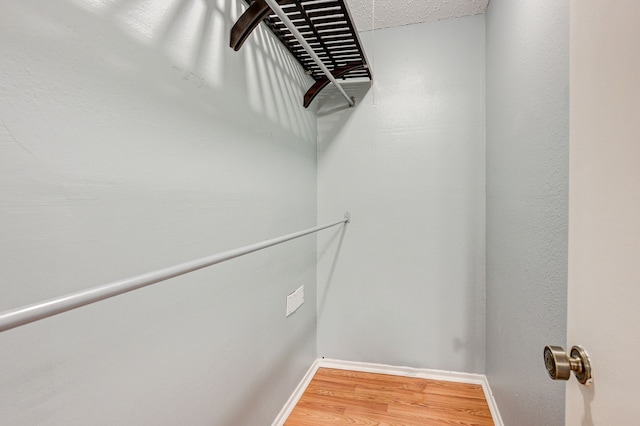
x=341, y=397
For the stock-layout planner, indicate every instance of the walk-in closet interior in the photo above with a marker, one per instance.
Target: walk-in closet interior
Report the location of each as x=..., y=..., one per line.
x=140, y=136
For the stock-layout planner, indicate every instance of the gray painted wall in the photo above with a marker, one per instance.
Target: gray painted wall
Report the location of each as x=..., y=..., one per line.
x=132, y=138
x=527, y=192
x=407, y=284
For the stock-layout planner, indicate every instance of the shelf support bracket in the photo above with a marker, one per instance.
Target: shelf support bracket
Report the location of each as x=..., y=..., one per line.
x=249, y=20
x=324, y=81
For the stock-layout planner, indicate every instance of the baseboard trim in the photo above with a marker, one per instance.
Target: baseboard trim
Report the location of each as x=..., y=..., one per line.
x=423, y=373
x=491, y=401
x=296, y=395
x=366, y=367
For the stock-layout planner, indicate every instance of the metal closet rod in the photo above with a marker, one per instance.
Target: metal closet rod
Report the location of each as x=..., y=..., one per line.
x=273, y=4
x=37, y=311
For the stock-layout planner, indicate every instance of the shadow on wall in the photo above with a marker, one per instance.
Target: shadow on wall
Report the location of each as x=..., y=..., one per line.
x=326, y=250
x=180, y=48
x=588, y=395
x=335, y=110
x=240, y=415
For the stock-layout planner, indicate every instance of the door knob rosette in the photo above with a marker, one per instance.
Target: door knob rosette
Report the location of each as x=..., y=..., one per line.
x=559, y=364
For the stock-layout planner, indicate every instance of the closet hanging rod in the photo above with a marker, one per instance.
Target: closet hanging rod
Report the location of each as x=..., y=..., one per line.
x=37, y=311
x=275, y=7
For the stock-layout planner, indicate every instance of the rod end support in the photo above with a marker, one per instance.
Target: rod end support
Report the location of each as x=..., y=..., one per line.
x=347, y=217
x=353, y=104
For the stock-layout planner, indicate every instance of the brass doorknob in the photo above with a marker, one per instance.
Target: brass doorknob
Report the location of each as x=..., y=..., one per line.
x=559, y=364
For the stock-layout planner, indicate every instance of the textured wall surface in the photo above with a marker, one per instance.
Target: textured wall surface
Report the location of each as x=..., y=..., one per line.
x=407, y=284
x=527, y=185
x=132, y=138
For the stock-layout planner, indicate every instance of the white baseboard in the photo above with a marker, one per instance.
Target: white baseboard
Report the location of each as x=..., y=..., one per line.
x=422, y=373
x=296, y=395
x=366, y=367
x=491, y=401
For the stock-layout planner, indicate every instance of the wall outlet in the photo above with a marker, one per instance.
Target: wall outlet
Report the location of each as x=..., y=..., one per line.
x=295, y=300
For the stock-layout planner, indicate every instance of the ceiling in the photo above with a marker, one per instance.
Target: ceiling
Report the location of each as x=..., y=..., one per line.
x=394, y=13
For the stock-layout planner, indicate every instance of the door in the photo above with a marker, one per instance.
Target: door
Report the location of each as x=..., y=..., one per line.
x=604, y=210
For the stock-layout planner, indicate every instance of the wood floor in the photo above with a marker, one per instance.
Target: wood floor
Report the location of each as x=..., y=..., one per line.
x=342, y=397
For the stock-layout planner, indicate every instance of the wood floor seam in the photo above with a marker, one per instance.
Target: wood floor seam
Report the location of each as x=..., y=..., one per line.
x=344, y=397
